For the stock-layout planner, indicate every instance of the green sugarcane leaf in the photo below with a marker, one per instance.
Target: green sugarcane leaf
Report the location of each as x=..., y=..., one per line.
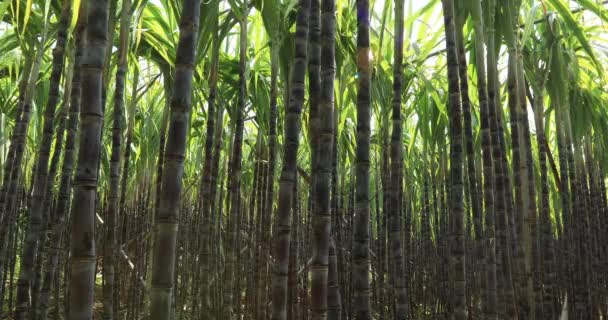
x=597, y=9
x=26, y=14
x=576, y=29
x=3, y=6
x=529, y=24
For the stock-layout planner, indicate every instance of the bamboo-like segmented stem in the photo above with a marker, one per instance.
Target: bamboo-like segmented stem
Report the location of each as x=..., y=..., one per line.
x=471, y=171
x=12, y=174
x=5, y=228
x=164, y=252
x=206, y=185
x=10, y=156
x=294, y=248
x=505, y=297
x=111, y=225
x=361, y=261
x=488, y=249
x=83, y=251
x=457, y=247
x=321, y=217
x=282, y=224
x=395, y=192
x=269, y=192
x=235, y=180
x=547, y=240
x=62, y=206
x=37, y=288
